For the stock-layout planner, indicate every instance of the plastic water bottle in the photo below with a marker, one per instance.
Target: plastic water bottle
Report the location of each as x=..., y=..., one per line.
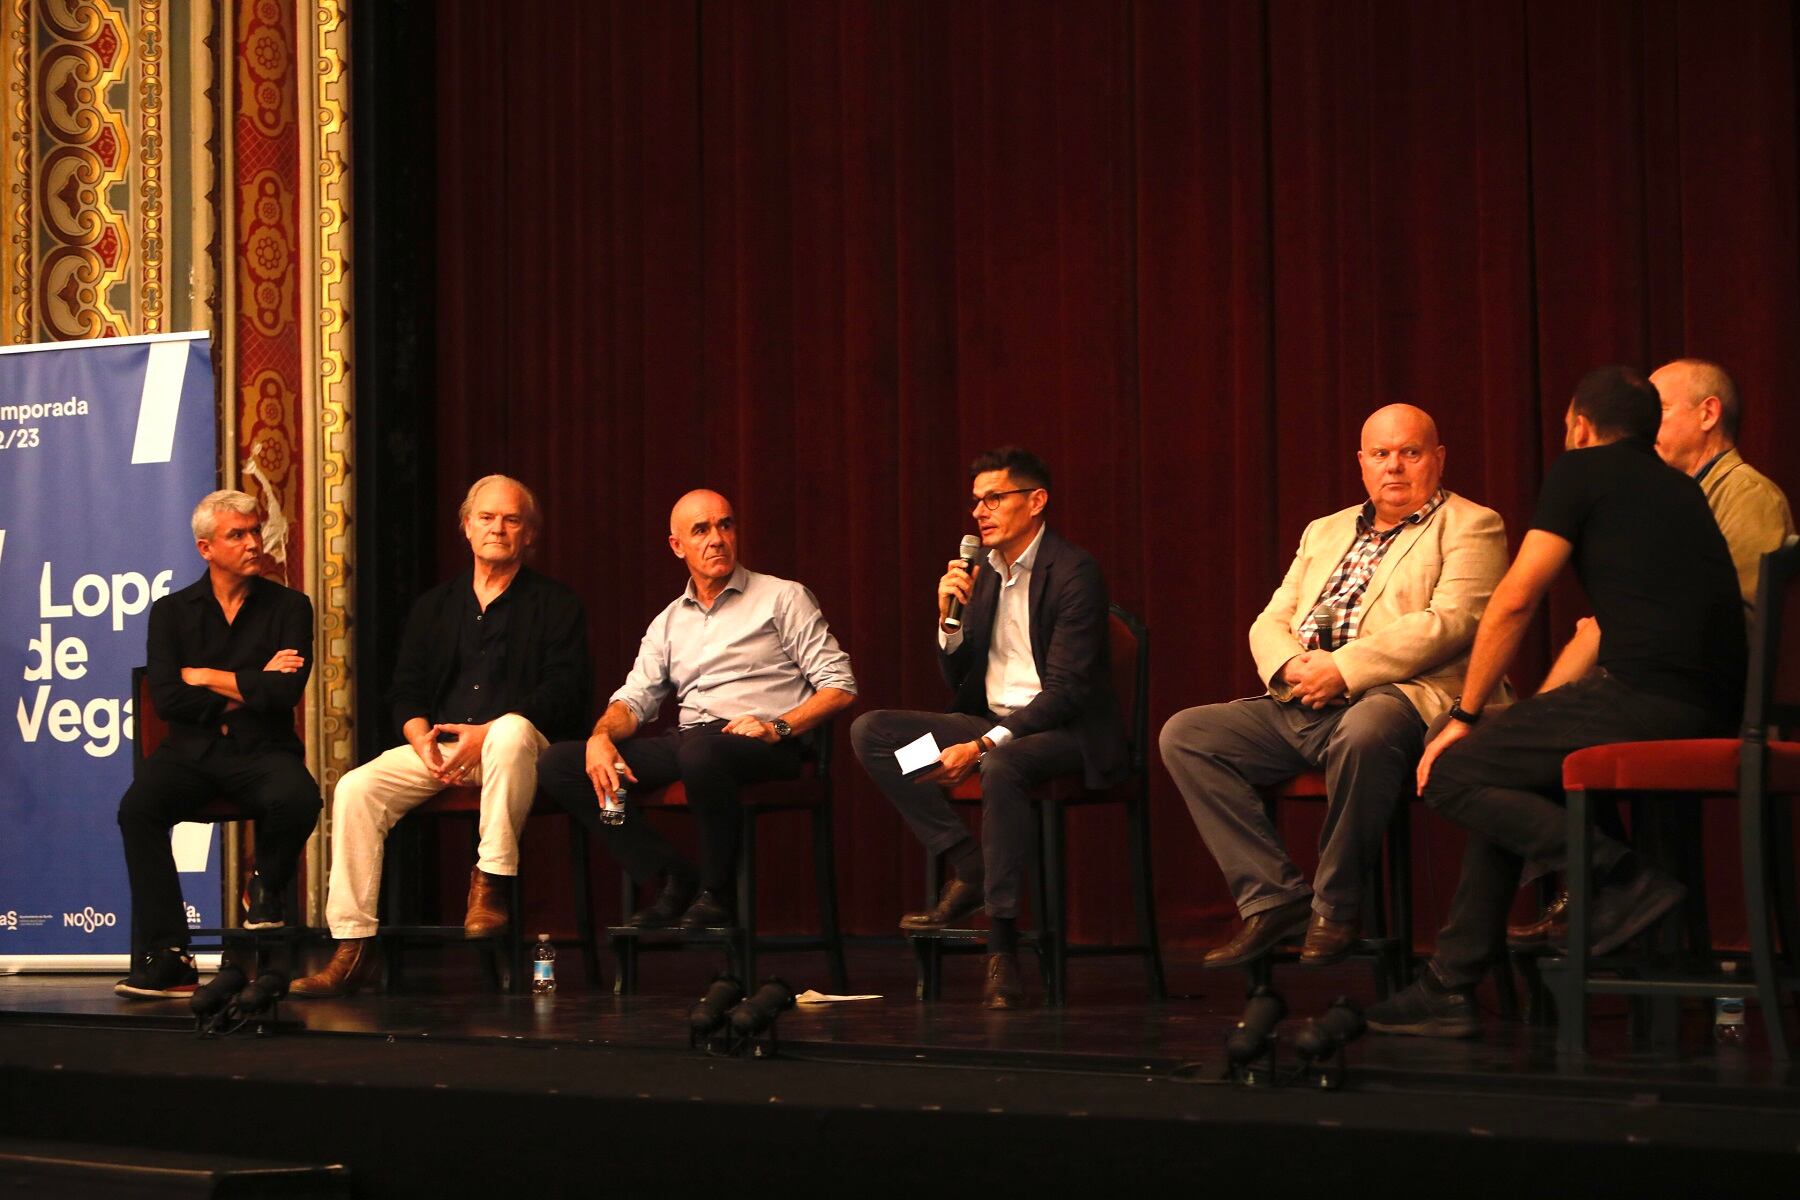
x=543, y=967
x=612, y=808
x=1728, y=1013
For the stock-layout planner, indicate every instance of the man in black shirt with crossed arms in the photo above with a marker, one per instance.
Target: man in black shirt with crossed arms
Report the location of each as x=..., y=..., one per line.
x=1651, y=558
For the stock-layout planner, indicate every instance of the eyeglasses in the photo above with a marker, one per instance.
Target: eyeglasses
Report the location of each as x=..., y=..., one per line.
x=991, y=501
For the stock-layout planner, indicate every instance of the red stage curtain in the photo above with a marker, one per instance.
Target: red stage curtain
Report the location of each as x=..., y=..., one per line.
x=818, y=254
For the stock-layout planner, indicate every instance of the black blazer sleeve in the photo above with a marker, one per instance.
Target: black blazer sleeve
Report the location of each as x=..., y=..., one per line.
x=1073, y=660
x=415, y=677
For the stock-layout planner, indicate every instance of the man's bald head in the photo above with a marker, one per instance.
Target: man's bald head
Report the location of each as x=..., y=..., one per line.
x=1700, y=412
x=700, y=500
x=1402, y=461
x=1406, y=421
x=703, y=534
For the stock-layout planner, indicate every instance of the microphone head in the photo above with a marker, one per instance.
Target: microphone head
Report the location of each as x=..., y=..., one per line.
x=971, y=548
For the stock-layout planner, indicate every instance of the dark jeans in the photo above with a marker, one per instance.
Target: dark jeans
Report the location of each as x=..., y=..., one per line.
x=711, y=766
x=1504, y=784
x=273, y=784
x=1008, y=773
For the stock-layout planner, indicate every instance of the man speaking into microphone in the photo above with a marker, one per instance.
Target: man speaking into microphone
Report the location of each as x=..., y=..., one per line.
x=1023, y=646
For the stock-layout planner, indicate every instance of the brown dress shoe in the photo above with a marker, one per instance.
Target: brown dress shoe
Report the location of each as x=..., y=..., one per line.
x=1327, y=941
x=1260, y=932
x=1003, y=989
x=352, y=965
x=486, y=915
x=958, y=900
x=1549, y=931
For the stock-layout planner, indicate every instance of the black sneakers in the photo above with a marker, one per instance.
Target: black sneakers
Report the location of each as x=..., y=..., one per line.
x=265, y=909
x=1427, y=1009
x=161, y=975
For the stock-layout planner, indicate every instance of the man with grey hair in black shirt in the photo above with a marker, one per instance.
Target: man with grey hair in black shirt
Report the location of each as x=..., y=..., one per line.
x=227, y=658
x=1672, y=661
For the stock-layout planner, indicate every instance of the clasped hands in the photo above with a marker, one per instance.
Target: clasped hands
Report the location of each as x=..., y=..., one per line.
x=465, y=751
x=1314, y=677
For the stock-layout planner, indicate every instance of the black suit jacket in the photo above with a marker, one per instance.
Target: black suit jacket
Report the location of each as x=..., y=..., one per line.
x=546, y=680
x=1070, y=646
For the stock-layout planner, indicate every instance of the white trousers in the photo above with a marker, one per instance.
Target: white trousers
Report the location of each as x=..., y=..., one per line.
x=381, y=791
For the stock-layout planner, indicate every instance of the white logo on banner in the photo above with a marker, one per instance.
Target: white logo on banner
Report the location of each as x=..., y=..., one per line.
x=192, y=843
x=87, y=920
x=161, y=403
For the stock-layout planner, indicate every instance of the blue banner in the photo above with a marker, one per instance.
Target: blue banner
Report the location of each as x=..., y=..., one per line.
x=105, y=447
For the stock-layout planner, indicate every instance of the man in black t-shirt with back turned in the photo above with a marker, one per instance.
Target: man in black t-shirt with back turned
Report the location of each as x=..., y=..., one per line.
x=1672, y=658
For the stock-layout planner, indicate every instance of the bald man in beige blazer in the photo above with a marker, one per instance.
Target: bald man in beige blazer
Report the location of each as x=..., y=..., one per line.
x=1362, y=645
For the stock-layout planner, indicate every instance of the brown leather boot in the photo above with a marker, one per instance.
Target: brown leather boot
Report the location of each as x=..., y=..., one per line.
x=486, y=914
x=353, y=964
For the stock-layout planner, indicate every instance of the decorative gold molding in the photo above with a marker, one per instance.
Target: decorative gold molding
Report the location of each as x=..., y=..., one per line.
x=323, y=35
x=17, y=323
x=150, y=164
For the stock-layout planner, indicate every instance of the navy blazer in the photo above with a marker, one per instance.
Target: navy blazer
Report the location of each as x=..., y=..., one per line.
x=546, y=677
x=1070, y=646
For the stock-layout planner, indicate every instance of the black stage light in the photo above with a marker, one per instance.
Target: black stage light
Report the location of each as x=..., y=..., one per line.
x=1323, y=1041
x=209, y=1001
x=708, y=1016
x=1251, y=1046
x=756, y=1016
x=260, y=997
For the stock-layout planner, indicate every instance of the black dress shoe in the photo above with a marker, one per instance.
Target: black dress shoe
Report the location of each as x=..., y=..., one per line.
x=1003, y=989
x=707, y=911
x=670, y=903
x=958, y=900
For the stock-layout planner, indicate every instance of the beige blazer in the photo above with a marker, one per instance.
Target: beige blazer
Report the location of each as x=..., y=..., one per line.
x=1419, y=613
x=1752, y=513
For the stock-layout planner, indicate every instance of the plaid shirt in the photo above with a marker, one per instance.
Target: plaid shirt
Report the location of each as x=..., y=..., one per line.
x=1337, y=617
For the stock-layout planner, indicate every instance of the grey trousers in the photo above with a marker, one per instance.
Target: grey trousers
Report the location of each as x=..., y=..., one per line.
x=1008, y=773
x=1220, y=754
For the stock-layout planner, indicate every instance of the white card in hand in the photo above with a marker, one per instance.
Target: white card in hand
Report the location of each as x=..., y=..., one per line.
x=917, y=755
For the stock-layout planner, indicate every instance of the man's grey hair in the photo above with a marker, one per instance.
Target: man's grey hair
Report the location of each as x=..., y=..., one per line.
x=206, y=513
x=528, y=500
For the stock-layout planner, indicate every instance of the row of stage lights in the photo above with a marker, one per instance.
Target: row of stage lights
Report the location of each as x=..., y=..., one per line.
x=727, y=1020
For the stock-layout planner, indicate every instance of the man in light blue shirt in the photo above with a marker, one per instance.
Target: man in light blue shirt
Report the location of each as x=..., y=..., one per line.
x=753, y=668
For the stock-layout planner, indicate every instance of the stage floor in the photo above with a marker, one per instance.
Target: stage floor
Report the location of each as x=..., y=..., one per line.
x=1152, y=1073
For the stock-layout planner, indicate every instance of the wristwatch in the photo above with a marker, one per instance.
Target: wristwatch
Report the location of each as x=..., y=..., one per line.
x=782, y=729
x=1457, y=713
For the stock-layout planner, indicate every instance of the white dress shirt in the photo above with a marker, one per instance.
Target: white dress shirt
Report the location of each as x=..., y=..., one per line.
x=761, y=650
x=1012, y=677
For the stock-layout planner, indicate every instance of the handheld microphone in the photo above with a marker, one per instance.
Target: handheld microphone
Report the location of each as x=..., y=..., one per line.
x=971, y=546
x=212, y=998
x=261, y=996
x=1342, y=1024
x=709, y=1014
x=1250, y=1040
